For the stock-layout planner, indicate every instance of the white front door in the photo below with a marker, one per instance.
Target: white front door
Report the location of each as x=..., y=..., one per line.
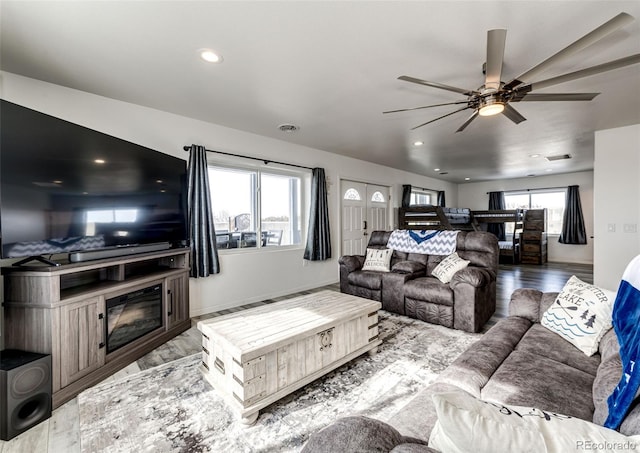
x=365, y=208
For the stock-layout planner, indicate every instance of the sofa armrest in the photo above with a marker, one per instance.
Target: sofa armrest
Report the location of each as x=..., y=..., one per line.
x=474, y=276
x=351, y=262
x=360, y=434
x=530, y=303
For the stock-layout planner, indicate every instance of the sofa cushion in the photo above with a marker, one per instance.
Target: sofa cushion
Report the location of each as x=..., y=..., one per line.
x=528, y=379
x=366, y=279
x=466, y=424
x=474, y=367
x=429, y=289
x=541, y=341
x=448, y=267
x=581, y=314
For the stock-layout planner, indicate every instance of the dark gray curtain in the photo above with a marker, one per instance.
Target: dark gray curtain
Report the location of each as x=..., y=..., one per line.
x=573, y=230
x=406, y=196
x=318, y=246
x=441, y=200
x=204, y=251
x=496, y=201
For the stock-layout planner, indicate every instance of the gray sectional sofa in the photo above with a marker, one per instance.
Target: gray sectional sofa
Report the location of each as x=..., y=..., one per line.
x=517, y=362
x=466, y=303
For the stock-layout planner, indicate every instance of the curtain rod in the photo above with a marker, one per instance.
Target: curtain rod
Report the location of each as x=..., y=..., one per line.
x=529, y=190
x=425, y=188
x=266, y=161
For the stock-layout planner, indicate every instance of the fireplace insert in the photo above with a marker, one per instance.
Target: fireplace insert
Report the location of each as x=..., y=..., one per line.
x=133, y=315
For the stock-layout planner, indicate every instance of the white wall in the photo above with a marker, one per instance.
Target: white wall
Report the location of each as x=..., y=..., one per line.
x=246, y=275
x=617, y=202
x=475, y=196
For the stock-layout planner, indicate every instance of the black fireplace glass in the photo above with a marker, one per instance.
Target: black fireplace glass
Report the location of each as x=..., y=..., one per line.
x=133, y=315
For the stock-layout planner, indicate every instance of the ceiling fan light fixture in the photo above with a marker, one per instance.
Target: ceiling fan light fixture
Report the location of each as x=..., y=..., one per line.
x=491, y=107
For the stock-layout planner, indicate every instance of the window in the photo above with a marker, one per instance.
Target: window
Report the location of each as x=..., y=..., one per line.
x=256, y=208
x=420, y=197
x=352, y=194
x=553, y=200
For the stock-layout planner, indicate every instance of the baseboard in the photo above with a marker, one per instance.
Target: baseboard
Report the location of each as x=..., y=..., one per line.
x=258, y=298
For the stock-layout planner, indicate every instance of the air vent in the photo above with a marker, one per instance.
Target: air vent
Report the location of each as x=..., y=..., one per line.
x=558, y=157
x=288, y=127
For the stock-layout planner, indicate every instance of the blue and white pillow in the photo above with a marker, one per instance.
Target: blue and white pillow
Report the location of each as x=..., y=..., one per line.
x=581, y=314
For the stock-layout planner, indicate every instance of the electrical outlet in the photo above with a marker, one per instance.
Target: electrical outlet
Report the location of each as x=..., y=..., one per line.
x=630, y=228
x=611, y=227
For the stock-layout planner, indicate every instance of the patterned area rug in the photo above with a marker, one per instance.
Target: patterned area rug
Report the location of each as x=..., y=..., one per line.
x=171, y=408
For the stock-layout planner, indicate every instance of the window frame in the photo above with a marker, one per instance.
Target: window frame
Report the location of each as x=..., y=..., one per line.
x=304, y=177
x=432, y=194
x=531, y=192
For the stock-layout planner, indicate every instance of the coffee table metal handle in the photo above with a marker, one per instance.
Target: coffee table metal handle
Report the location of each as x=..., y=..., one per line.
x=326, y=338
x=219, y=364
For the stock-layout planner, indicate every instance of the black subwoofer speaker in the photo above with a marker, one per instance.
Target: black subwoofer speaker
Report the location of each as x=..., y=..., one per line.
x=25, y=391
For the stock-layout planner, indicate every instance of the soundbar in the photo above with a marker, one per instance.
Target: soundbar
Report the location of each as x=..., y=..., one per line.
x=88, y=255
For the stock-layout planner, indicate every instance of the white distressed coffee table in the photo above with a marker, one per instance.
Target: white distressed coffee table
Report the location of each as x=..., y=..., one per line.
x=257, y=356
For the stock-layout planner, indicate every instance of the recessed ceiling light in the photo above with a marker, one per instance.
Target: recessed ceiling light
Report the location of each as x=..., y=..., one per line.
x=436, y=169
x=534, y=155
x=210, y=56
x=99, y=161
x=467, y=179
x=418, y=143
x=159, y=181
x=57, y=181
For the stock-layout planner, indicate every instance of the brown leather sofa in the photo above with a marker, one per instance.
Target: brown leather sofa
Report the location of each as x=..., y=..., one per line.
x=466, y=303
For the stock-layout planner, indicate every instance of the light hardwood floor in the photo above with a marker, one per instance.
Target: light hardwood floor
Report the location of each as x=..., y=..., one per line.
x=61, y=433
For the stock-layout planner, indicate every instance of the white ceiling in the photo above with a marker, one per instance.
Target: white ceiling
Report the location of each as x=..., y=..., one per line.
x=331, y=68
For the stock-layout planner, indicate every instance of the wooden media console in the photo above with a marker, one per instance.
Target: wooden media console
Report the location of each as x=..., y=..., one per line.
x=63, y=311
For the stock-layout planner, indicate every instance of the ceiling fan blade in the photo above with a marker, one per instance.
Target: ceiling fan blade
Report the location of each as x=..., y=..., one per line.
x=440, y=117
x=603, y=30
x=555, y=97
x=513, y=114
x=615, y=64
x=473, y=116
x=425, y=107
x=495, y=56
x=438, y=85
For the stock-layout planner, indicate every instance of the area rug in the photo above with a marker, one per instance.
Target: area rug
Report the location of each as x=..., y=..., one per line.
x=172, y=408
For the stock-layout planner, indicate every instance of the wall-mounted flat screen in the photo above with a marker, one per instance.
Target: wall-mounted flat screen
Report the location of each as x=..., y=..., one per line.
x=65, y=188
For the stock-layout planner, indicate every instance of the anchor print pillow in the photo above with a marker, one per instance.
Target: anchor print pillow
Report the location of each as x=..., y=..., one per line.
x=581, y=314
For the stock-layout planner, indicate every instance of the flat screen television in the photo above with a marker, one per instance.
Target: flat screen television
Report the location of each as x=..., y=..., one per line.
x=65, y=188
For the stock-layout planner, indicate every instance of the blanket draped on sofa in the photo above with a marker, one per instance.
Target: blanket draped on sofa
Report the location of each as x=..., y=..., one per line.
x=429, y=242
x=626, y=318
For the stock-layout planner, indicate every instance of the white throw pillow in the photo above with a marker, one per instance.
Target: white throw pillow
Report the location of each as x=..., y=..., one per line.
x=378, y=260
x=447, y=267
x=581, y=314
x=466, y=424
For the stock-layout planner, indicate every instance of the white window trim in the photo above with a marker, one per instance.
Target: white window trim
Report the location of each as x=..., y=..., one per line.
x=305, y=181
x=529, y=192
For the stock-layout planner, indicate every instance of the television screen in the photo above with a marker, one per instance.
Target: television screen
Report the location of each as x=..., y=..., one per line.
x=65, y=188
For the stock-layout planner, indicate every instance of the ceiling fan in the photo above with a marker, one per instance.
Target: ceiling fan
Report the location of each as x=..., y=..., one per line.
x=495, y=96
